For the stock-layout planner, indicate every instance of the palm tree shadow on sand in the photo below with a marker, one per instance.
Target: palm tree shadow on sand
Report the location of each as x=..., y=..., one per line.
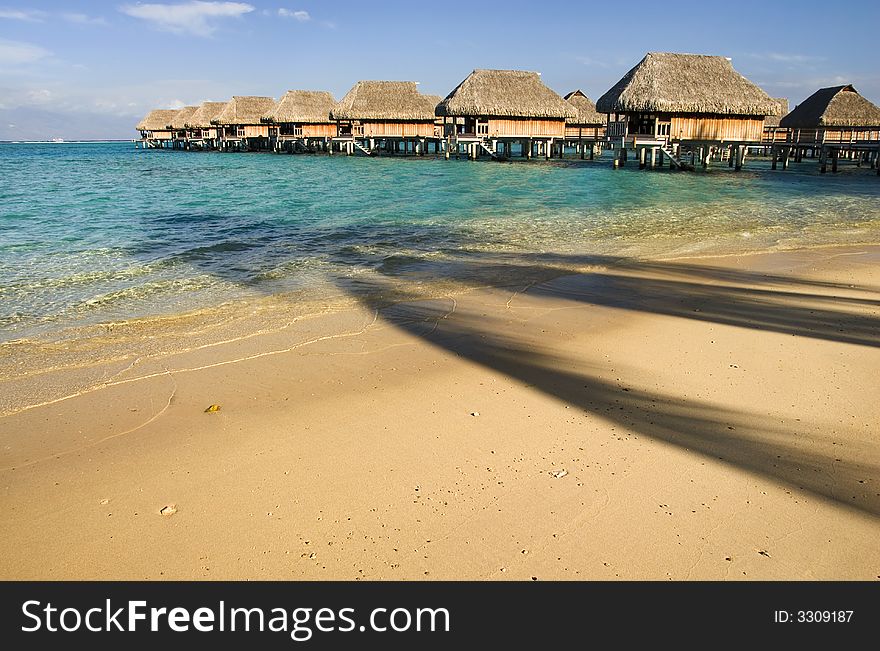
x=787, y=304
x=746, y=440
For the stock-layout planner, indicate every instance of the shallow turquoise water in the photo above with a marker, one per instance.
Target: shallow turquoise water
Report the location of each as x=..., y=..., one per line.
x=95, y=232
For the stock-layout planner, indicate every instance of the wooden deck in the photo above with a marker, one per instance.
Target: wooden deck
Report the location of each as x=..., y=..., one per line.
x=650, y=150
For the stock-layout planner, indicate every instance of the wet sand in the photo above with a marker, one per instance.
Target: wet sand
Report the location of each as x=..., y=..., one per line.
x=702, y=419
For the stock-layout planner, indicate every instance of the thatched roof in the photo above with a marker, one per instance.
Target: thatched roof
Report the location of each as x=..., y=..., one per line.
x=180, y=119
x=665, y=82
x=245, y=110
x=839, y=106
x=384, y=100
x=202, y=116
x=773, y=120
x=303, y=107
x=504, y=93
x=586, y=110
x=157, y=120
x=434, y=100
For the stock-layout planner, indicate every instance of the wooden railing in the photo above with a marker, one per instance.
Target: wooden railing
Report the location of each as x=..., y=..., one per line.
x=616, y=129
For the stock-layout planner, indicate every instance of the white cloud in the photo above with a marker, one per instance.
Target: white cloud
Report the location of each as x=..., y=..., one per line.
x=301, y=16
x=195, y=17
x=793, y=58
x=39, y=96
x=304, y=17
x=781, y=57
x=589, y=61
x=83, y=19
x=17, y=53
x=73, y=93
x=812, y=83
x=28, y=15
x=37, y=16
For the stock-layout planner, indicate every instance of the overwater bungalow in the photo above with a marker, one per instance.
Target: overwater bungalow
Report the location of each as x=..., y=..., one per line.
x=202, y=133
x=588, y=127
x=392, y=116
x=178, y=124
x=491, y=110
x=155, y=128
x=241, y=123
x=302, y=118
x=697, y=102
x=836, y=121
x=838, y=114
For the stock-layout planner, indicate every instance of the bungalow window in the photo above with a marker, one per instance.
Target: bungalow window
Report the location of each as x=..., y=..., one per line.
x=642, y=124
x=482, y=127
x=297, y=130
x=239, y=132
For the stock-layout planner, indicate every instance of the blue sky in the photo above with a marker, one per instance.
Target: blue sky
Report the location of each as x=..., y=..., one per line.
x=91, y=69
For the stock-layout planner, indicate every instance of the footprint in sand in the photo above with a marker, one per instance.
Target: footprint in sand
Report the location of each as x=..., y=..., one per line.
x=168, y=509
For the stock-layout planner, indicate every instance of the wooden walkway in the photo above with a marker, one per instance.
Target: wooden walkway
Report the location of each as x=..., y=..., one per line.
x=651, y=152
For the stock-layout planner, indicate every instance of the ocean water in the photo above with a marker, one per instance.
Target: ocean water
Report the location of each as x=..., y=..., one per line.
x=98, y=233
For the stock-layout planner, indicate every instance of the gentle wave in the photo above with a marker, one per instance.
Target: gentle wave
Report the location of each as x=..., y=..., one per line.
x=96, y=233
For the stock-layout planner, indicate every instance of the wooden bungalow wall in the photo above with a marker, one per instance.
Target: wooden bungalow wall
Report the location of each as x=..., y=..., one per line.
x=319, y=130
x=399, y=129
x=256, y=131
x=245, y=130
x=519, y=127
x=716, y=128
x=207, y=134
x=308, y=130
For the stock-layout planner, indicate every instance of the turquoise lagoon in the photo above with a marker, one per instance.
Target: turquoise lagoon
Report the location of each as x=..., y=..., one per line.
x=96, y=233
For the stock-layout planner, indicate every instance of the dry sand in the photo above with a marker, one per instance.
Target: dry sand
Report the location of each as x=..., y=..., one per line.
x=703, y=419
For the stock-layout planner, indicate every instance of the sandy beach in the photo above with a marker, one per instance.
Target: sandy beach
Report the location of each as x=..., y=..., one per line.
x=696, y=419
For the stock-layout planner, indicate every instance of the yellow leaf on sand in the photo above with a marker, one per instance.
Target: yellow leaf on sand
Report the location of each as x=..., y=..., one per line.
x=212, y=408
